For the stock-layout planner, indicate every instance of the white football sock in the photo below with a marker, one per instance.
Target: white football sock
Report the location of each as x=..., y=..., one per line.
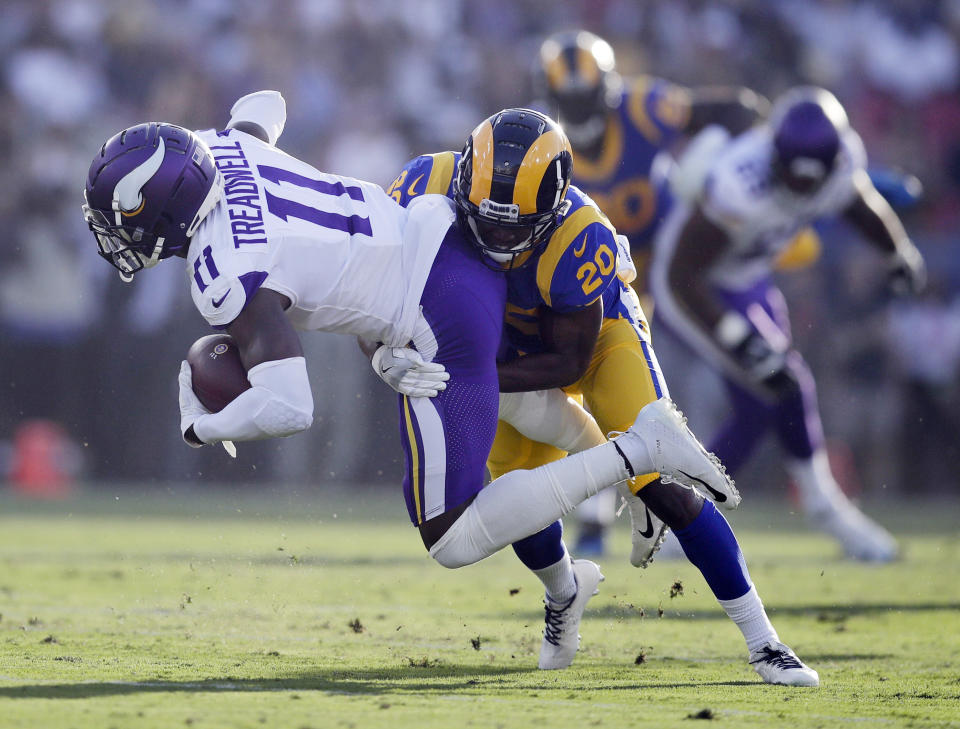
x=521, y=503
x=558, y=580
x=816, y=486
x=748, y=613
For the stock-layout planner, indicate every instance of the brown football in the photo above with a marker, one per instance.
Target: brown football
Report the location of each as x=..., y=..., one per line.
x=217, y=372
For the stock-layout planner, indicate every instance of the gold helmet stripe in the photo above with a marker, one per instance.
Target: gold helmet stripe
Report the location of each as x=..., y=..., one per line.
x=587, y=66
x=534, y=168
x=482, y=162
x=554, y=65
x=441, y=173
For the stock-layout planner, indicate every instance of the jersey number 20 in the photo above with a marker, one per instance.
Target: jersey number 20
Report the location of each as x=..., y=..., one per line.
x=604, y=261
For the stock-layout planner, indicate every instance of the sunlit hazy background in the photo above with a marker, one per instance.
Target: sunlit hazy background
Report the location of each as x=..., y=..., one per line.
x=88, y=365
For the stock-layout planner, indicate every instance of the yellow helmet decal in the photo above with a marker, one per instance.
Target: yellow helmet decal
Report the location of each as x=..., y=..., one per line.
x=587, y=66
x=482, y=162
x=554, y=65
x=534, y=168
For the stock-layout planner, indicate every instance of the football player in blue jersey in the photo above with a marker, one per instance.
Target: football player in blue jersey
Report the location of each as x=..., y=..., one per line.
x=712, y=277
x=273, y=246
x=571, y=322
x=620, y=131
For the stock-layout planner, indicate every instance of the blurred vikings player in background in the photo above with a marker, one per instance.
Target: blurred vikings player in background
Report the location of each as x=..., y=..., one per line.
x=273, y=246
x=712, y=279
x=620, y=131
x=572, y=322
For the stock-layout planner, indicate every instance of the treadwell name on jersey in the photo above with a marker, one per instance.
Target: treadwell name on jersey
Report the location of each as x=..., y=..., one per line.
x=242, y=193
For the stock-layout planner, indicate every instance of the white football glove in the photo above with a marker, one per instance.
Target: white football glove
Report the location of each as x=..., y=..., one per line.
x=626, y=269
x=191, y=409
x=763, y=360
x=406, y=371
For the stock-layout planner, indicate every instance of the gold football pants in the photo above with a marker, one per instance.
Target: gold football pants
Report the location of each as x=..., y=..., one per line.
x=622, y=377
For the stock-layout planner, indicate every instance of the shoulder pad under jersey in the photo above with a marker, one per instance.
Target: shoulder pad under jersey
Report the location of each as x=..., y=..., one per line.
x=658, y=109
x=426, y=174
x=580, y=259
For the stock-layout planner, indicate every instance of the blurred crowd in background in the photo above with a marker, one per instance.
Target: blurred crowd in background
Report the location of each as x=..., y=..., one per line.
x=372, y=83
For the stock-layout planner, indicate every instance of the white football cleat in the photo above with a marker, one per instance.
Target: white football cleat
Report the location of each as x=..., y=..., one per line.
x=647, y=531
x=561, y=635
x=776, y=663
x=861, y=537
x=670, y=550
x=676, y=453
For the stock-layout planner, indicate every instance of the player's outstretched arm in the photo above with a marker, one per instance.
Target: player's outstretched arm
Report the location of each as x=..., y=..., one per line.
x=699, y=246
x=279, y=402
x=873, y=216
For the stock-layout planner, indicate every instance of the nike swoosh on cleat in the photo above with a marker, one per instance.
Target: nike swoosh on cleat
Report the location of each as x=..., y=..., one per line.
x=648, y=532
x=218, y=302
x=716, y=494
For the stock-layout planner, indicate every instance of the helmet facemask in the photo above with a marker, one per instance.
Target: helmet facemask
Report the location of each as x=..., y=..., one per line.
x=144, y=204
x=508, y=241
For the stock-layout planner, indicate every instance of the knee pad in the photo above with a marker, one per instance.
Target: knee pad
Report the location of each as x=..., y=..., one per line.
x=458, y=547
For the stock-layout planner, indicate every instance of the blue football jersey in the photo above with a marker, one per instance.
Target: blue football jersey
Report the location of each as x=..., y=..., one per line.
x=576, y=267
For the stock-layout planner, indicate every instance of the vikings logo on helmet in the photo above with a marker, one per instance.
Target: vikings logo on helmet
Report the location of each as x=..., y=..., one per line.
x=147, y=192
x=510, y=185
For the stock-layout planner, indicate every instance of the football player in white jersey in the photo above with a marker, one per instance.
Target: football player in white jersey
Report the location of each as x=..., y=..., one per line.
x=273, y=246
x=712, y=280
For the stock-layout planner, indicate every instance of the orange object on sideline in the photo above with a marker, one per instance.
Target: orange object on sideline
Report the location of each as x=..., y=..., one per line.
x=44, y=460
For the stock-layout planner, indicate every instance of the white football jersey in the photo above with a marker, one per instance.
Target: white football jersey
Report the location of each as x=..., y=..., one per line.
x=348, y=257
x=760, y=217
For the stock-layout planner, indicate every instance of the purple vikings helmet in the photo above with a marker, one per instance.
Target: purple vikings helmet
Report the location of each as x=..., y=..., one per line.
x=808, y=124
x=147, y=192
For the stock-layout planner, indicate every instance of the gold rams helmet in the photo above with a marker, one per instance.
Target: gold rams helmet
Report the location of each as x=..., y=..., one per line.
x=511, y=184
x=579, y=83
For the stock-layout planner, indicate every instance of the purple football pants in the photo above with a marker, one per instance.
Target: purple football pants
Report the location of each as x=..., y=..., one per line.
x=795, y=416
x=446, y=439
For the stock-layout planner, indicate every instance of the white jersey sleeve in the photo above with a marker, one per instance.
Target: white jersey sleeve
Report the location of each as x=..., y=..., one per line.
x=347, y=256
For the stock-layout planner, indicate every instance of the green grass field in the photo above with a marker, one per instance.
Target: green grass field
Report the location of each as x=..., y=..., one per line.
x=228, y=610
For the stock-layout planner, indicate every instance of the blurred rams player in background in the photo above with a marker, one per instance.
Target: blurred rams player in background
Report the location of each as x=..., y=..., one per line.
x=622, y=131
